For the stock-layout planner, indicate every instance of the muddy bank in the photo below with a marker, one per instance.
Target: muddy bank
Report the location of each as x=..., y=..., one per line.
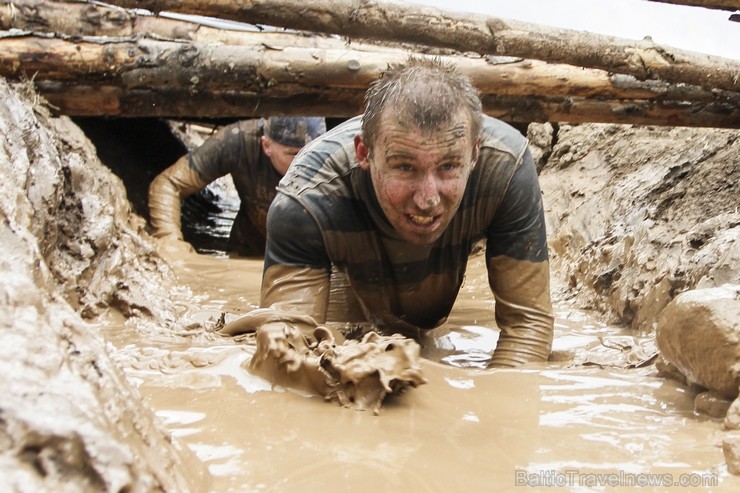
x=69, y=420
x=637, y=215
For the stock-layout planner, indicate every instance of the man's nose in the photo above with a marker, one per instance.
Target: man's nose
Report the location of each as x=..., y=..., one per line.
x=427, y=193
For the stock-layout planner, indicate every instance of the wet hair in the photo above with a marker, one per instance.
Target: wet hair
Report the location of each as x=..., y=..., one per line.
x=423, y=93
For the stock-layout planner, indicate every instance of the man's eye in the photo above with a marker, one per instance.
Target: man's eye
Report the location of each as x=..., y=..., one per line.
x=448, y=166
x=405, y=167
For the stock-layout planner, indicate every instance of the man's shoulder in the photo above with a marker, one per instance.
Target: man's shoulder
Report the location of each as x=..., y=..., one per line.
x=252, y=127
x=239, y=133
x=324, y=161
x=502, y=137
x=502, y=153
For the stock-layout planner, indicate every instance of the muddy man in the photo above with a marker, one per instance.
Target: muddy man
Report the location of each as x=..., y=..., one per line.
x=385, y=209
x=256, y=153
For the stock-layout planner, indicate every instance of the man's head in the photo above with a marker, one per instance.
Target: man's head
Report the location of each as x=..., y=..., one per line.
x=284, y=136
x=420, y=142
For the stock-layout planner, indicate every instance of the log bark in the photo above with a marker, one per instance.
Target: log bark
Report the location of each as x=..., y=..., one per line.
x=709, y=4
x=133, y=63
x=86, y=19
x=143, y=77
x=522, y=76
x=468, y=32
x=99, y=100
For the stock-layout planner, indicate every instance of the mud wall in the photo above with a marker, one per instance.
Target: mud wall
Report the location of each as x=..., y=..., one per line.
x=637, y=215
x=69, y=421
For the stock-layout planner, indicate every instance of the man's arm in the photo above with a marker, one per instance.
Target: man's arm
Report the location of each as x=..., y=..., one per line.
x=523, y=310
x=216, y=157
x=518, y=272
x=297, y=269
x=166, y=192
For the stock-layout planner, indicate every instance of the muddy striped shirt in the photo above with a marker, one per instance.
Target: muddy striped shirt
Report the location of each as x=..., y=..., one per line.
x=326, y=215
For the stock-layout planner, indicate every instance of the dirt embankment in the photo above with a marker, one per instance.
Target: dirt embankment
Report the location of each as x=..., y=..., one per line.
x=69, y=421
x=637, y=215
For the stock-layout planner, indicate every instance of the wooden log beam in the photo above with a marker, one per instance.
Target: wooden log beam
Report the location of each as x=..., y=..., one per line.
x=77, y=18
x=709, y=4
x=100, y=100
x=468, y=32
x=145, y=63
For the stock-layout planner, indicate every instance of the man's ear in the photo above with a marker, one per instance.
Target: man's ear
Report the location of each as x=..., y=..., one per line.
x=362, y=153
x=476, y=152
x=265, y=142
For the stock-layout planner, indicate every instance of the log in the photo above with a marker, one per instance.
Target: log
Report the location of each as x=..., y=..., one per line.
x=99, y=100
x=709, y=4
x=84, y=19
x=87, y=19
x=468, y=32
x=143, y=77
x=133, y=63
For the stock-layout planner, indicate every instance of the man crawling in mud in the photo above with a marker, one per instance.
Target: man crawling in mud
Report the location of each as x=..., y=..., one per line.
x=256, y=153
x=394, y=201
x=382, y=213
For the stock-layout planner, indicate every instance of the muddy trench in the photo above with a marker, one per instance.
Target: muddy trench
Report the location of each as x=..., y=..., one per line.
x=114, y=379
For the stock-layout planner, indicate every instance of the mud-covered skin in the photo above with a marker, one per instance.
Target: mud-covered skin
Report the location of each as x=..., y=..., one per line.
x=326, y=215
x=234, y=150
x=295, y=352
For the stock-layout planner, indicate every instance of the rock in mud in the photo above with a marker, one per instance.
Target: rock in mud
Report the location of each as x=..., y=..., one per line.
x=712, y=404
x=699, y=333
x=732, y=420
x=731, y=449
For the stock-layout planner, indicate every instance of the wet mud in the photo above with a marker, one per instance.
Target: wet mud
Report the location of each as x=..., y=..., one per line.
x=467, y=429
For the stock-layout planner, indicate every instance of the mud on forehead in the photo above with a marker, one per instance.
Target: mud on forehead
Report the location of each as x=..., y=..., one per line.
x=456, y=123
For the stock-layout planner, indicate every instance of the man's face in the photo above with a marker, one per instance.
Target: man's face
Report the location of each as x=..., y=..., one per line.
x=420, y=179
x=280, y=154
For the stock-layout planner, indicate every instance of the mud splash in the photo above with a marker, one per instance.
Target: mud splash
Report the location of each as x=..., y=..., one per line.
x=560, y=424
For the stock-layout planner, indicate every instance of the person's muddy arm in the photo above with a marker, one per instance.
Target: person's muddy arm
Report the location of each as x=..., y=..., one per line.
x=297, y=270
x=523, y=310
x=518, y=272
x=166, y=193
x=218, y=156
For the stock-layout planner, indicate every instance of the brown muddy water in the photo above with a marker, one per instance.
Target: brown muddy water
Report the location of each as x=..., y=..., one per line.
x=559, y=426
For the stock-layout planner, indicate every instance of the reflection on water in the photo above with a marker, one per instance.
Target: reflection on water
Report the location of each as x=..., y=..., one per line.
x=555, y=426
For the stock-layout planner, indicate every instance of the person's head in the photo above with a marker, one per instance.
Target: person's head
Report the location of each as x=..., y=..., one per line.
x=285, y=136
x=420, y=142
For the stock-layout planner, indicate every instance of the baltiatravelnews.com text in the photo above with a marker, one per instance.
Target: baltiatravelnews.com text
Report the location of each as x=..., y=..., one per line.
x=575, y=477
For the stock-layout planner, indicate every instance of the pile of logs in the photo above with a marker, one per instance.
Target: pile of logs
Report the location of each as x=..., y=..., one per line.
x=93, y=59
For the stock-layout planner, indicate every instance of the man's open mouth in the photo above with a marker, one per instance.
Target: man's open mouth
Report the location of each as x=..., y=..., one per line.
x=421, y=220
